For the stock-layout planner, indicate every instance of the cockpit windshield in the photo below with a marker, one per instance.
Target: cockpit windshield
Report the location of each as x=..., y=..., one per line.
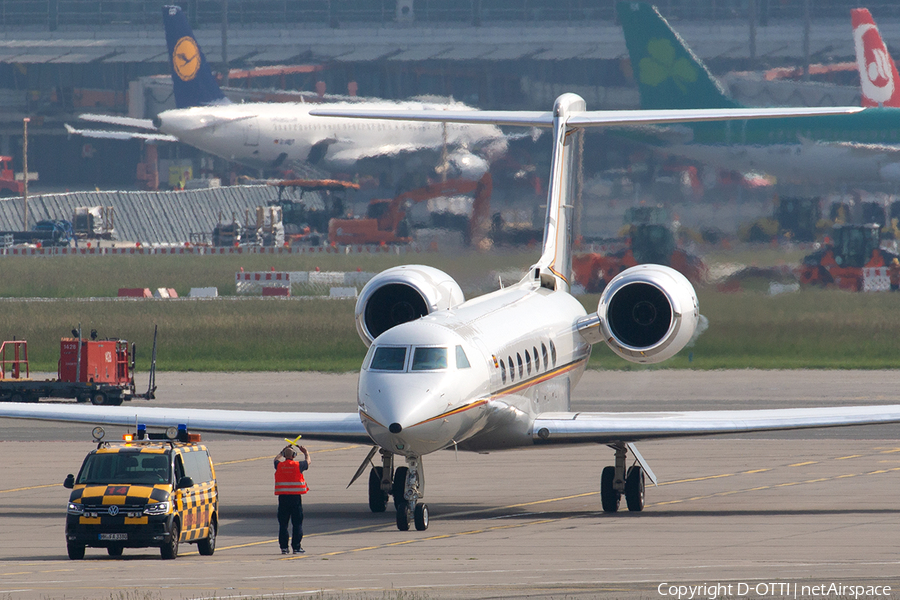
x=389, y=358
x=429, y=359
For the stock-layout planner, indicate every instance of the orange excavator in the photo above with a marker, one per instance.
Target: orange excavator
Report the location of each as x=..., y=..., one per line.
x=386, y=221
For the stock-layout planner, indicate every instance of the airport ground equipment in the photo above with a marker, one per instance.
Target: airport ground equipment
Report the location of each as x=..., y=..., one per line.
x=99, y=371
x=647, y=243
x=8, y=184
x=843, y=257
x=386, y=221
x=148, y=490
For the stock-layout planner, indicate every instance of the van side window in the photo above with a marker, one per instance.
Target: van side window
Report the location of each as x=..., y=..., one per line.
x=179, y=468
x=196, y=466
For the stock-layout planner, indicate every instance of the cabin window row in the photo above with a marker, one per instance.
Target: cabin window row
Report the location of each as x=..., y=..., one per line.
x=514, y=368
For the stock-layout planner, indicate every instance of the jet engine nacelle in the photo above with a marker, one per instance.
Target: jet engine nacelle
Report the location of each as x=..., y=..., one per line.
x=403, y=294
x=648, y=313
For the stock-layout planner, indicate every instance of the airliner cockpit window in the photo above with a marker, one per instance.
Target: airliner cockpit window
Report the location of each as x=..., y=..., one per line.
x=429, y=359
x=462, y=362
x=388, y=358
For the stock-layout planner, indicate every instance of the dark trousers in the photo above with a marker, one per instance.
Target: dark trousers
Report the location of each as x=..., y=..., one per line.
x=290, y=509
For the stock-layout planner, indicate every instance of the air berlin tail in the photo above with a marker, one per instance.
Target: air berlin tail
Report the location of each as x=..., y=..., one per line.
x=877, y=72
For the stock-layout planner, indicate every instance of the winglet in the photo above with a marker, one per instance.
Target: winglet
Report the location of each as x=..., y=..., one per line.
x=192, y=77
x=668, y=73
x=878, y=76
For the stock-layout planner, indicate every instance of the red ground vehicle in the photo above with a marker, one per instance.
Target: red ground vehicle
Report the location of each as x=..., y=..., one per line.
x=841, y=260
x=386, y=222
x=8, y=184
x=101, y=371
x=648, y=243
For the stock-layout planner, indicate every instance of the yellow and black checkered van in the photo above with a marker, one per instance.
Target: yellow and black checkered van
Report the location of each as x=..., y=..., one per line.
x=143, y=493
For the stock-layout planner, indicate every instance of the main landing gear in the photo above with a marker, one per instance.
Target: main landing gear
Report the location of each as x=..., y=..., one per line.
x=617, y=481
x=406, y=485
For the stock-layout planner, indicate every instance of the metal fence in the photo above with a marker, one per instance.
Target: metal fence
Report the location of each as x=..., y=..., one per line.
x=54, y=14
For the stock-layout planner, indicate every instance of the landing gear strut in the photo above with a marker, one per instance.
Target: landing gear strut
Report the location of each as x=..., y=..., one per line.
x=381, y=480
x=617, y=481
x=409, y=488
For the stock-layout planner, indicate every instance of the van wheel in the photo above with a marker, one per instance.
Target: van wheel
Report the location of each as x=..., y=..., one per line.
x=115, y=550
x=169, y=550
x=208, y=546
x=76, y=551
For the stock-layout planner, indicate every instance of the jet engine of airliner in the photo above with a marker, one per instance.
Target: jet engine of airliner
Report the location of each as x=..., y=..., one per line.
x=402, y=294
x=648, y=313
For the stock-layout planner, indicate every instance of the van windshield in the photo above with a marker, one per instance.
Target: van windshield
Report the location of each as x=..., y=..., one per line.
x=125, y=468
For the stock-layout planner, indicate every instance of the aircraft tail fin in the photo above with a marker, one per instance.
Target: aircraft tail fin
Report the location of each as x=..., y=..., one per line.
x=192, y=77
x=668, y=73
x=877, y=72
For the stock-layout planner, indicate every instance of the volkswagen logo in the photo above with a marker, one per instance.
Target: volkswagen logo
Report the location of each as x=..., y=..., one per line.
x=113, y=510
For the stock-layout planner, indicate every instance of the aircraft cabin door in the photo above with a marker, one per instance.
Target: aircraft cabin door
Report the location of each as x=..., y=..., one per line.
x=251, y=132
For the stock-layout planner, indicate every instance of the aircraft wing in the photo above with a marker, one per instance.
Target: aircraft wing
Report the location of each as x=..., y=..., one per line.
x=119, y=121
x=120, y=135
x=589, y=118
x=332, y=427
x=597, y=427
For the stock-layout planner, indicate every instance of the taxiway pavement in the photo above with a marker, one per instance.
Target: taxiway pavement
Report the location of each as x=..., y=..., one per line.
x=796, y=508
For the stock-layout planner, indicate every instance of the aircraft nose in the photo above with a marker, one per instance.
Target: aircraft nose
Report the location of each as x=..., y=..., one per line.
x=395, y=428
x=157, y=122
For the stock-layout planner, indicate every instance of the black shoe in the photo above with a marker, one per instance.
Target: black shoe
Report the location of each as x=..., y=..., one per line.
x=285, y=551
x=297, y=551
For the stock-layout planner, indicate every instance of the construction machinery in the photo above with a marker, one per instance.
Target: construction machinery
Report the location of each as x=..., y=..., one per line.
x=647, y=243
x=303, y=223
x=101, y=371
x=93, y=222
x=45, y=233
x=386, y=221
x=843, y=257
x=8, y=184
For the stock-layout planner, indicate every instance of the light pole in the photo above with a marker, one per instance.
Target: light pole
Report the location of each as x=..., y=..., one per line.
x=25, y=170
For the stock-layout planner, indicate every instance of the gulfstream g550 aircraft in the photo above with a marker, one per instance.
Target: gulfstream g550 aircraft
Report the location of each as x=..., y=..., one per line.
x=495, y=372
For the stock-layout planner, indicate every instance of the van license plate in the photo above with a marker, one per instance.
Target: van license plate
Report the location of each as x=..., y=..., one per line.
x=113, y=536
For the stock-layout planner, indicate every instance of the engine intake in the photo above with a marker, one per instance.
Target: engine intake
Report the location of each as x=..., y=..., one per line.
x=648, y=313
x=403, y=294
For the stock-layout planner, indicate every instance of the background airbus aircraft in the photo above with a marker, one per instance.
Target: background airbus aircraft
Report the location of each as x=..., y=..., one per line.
x=854, y=148
x=276, y=135
x=878, y=77
x=496, y=372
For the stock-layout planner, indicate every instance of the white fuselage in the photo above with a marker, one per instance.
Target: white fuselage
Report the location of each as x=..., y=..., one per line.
x=263, y=135
x=805, y=162
x=515, y=372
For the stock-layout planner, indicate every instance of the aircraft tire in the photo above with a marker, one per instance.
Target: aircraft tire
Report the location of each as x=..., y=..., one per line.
x=378, y=498
x=634, y=489
x=399, y=489
x=609, y=496
x=421, y=517
x=402, y=516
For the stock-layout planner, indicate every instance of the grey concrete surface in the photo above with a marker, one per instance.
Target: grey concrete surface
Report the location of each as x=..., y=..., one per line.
x=799, y=508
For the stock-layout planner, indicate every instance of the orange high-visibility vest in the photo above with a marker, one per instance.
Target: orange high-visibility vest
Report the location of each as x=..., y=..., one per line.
x=289, y=479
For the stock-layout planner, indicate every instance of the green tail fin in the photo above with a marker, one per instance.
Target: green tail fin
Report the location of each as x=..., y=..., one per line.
x=668, y=73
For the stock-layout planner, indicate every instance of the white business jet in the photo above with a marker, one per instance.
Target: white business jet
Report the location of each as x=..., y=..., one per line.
x=270, y=135
x=495, y=372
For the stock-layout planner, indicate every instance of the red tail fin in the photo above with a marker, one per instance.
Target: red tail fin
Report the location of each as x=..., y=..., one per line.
x=877, y=73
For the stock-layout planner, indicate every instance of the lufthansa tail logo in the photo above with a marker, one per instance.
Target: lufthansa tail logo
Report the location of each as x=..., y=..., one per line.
x=186, y=58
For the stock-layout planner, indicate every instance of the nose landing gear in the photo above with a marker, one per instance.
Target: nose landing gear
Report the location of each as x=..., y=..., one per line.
x=409, y=488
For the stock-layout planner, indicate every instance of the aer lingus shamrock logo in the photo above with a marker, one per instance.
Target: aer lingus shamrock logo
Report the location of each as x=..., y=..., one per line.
x=661, y=65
